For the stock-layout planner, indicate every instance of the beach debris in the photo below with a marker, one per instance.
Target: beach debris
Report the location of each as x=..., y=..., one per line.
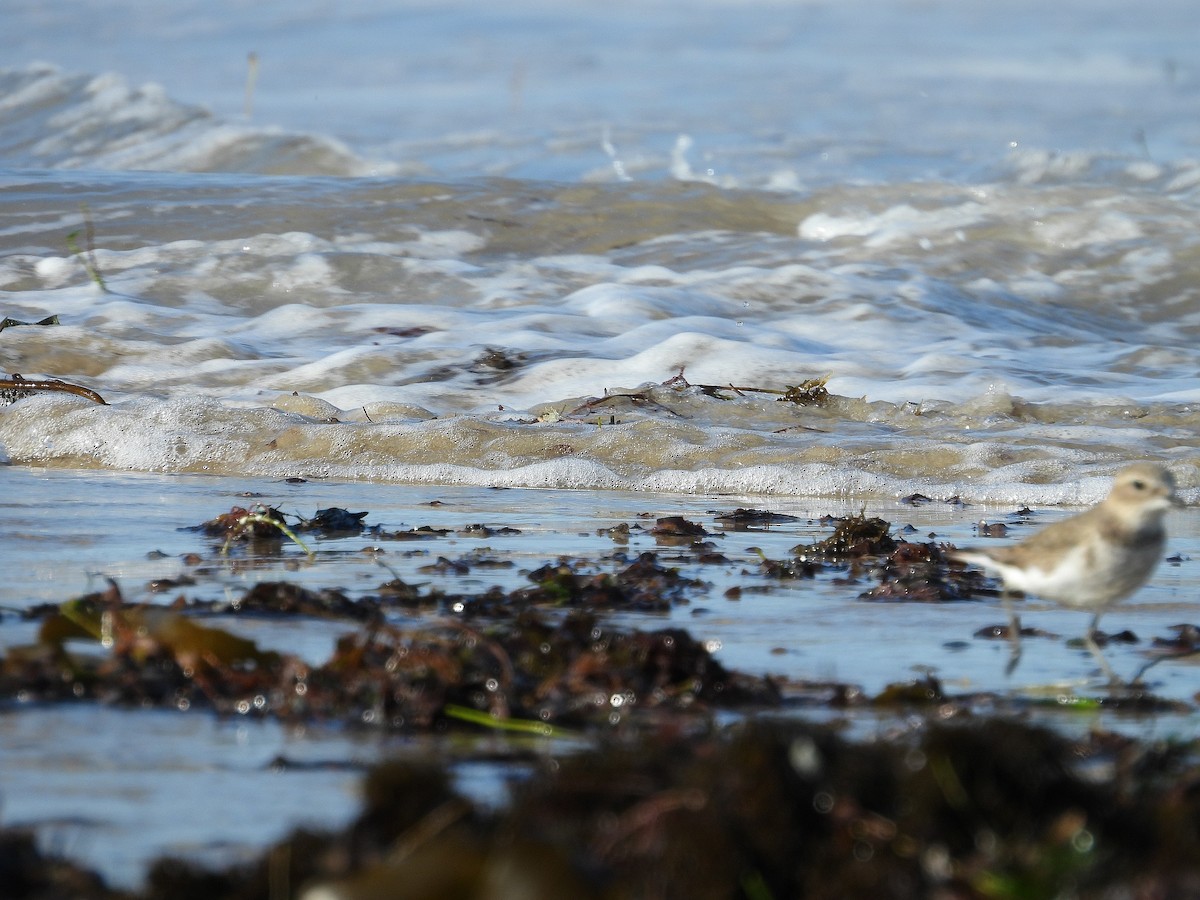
x=764, y=808
x=793, y=567
x=420, y=533
x=677, y=530
x=918, y=692
x=479, y=530
x=498, y=359
x=620, y=532
x=7, y=322
x=574, y=670
x=742, y=519
x=16, y=387
x=1186, y=640
x=853, y=537
x=809, y=392
x=288, y=598
x=1004, y=632
x=921, y=573
x=334, y=522
x=638, y=399
x=642, y=585
x=412, y=331
x=257, y=523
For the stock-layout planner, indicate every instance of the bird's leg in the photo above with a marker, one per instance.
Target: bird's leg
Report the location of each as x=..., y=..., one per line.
x=1089, y=641
x=1014, y=633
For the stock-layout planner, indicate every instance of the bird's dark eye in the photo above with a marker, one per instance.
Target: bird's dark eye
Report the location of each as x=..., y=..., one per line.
x=1139, y=484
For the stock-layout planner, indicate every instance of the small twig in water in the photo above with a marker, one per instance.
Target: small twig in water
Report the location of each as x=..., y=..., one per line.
x=88, y=254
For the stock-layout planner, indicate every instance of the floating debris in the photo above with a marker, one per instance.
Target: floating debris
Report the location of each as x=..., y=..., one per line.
x=258, y=523
x=991, y=529
x=853, y=537
x=673, y=527
x=480, y=530
x=241, y=523
x=643, y=585
x=753, y=519
x=7, y=322
x=286, y=598
x=921, y=573
x=16, y=387
x=334, y=522
x=811, y=392
x=421, y=533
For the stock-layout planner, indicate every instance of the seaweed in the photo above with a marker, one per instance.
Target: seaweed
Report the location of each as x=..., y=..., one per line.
x=7, y=322
x=258, y=523
x=643, y=585
x=574, y=671
x=853, y=537
x=88, y=253
x=921, y=573
x=742, y=519
x=809, y=392
x=334, y=522
x=766, y=808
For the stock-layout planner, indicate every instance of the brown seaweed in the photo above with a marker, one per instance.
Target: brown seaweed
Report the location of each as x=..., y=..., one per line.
x=989, y=808
x=853, y=537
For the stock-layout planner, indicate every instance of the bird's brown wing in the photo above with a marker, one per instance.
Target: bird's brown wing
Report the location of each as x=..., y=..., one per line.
x=1054, y=538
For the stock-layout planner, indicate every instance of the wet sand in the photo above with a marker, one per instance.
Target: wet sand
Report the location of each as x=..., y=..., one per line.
x=824, y=641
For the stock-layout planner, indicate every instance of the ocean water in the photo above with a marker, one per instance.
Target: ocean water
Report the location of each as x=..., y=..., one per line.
x=581, y=250
x=413, y=241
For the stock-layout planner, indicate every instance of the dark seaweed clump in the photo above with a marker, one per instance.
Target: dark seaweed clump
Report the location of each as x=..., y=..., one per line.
x=663, y=802
x=571, y=670
x=982, y=809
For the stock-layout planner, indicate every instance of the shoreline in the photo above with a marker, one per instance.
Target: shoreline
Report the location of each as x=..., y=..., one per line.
x=862, y=668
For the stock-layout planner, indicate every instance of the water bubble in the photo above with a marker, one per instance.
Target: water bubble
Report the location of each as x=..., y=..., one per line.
x=914, y=760
x=805, y=757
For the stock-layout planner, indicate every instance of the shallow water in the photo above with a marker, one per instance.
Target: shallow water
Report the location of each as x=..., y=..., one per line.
x=122, y=787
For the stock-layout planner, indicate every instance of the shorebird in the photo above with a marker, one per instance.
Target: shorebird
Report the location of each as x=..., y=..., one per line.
x=1090, y=561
